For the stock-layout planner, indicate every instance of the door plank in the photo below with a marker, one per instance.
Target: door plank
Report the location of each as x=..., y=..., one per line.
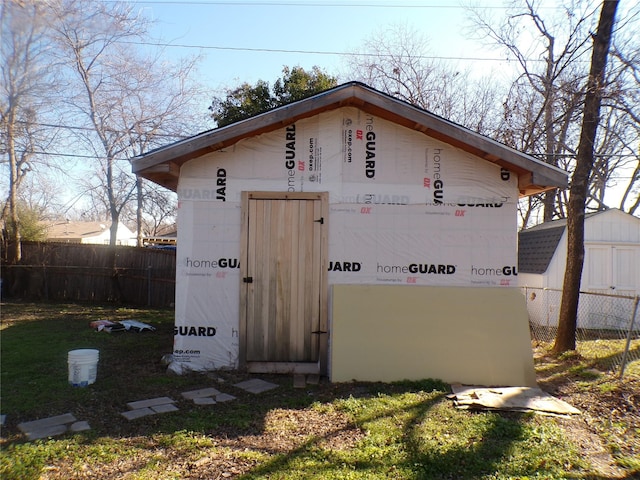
x=285, y=255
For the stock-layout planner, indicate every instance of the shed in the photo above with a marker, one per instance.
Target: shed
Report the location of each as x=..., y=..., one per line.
x=354, y=235
x=611, y=266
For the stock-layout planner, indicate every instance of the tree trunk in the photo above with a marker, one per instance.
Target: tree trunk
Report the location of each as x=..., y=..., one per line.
x=566, y=335
x=139, y=207
x=15, y=252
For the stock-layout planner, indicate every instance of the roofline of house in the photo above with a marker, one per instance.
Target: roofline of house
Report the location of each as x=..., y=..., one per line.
x=534, y=176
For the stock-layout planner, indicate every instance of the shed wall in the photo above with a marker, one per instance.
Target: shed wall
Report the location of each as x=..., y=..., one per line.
x=405, y=209
x=611, y=266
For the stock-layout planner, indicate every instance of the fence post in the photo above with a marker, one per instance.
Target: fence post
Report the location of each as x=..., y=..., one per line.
x=629, y=333
x=149, y=285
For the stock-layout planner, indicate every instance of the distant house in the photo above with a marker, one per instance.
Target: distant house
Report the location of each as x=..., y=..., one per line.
x=88, y=232
x=611, y=262
x=165, y=238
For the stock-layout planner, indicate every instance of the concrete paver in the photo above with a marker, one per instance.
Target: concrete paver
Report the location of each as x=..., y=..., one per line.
x=224, y=397
x=52, y=426
x=203, y=392
x=46, y=432
x=46, y=422
x=299, y=380
x=164, y=408
x=137, y=413
x=149, y=403
x=79, y=426
x=204, y=401
x=57, y=425
x=256, y=385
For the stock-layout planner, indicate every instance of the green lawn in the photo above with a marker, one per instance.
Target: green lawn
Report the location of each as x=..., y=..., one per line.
x=405, y=430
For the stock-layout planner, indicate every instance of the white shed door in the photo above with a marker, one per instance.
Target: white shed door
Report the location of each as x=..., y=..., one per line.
x=612, y=269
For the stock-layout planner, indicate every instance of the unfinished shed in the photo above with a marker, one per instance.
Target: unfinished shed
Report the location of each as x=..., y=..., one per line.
x=611, y=267
x=354, y=235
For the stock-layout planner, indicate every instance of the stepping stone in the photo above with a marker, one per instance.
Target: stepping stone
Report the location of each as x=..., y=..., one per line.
x=138, y=413
x=204, y=401
x=79, y=426
x=299, y=381
x=46, y=432
x=203, y=392
x=164, y=408
x=26, y=427
x=224, y=397
x=149, y=403
x=256, y=385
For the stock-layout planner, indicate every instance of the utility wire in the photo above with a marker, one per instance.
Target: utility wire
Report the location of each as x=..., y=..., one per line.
x=317, y=52
x=310, y=4
x=72, y=127
x=562, y=155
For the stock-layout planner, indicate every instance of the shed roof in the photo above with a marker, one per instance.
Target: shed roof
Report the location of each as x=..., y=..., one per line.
x=536, y=245
x=162, y=165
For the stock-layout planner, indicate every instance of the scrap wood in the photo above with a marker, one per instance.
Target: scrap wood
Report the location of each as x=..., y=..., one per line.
x=115, y=326
x=518, y=399
x=106, y=326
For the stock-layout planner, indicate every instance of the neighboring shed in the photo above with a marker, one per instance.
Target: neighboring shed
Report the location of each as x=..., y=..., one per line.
x=87, y=232
x=350, y=234
x=611, y=263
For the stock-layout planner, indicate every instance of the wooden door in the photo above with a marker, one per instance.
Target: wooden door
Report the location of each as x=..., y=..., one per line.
x=283, y=324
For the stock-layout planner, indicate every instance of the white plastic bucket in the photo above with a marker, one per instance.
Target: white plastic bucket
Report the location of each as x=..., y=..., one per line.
x=83, y=367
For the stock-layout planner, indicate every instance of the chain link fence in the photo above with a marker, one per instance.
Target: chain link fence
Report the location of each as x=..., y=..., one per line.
x=607, y=324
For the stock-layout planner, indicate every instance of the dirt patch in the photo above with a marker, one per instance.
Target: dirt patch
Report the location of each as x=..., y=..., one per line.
x=609, y=426
x=286, y=430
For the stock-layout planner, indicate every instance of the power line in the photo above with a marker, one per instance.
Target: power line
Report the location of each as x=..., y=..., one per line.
x=317, y=52
x=310, y=4
x=90, y=129
x=70, y=155
x=97, y=157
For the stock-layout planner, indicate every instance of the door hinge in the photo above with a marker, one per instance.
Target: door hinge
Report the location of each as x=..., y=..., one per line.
x=320, y=221
x=318, y=332
x=247, y=279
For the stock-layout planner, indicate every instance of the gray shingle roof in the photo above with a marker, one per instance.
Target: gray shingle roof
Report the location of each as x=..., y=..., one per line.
x=536, y=247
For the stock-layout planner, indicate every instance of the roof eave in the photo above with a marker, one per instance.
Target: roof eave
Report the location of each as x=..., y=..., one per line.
x=163, y=165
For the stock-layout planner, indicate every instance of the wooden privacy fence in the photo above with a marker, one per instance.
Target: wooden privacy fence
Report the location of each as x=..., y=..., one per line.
x=82, y=272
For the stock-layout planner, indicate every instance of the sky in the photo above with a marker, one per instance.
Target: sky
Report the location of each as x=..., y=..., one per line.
x=246, y=41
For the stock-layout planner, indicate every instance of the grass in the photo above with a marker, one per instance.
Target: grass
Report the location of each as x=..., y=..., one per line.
x=403, y=430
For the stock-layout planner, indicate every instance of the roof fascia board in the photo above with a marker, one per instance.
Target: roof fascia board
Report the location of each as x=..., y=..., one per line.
x=371, y=101
x=219, y=138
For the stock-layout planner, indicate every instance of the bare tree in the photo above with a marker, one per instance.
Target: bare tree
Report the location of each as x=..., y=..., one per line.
x=545, y=100
x=620, y=107
x=89, y=36
x=130, y=101
x=398, y=62
x=150, y=120
x=544, y=106
x=26, y=89
x=566, y=335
